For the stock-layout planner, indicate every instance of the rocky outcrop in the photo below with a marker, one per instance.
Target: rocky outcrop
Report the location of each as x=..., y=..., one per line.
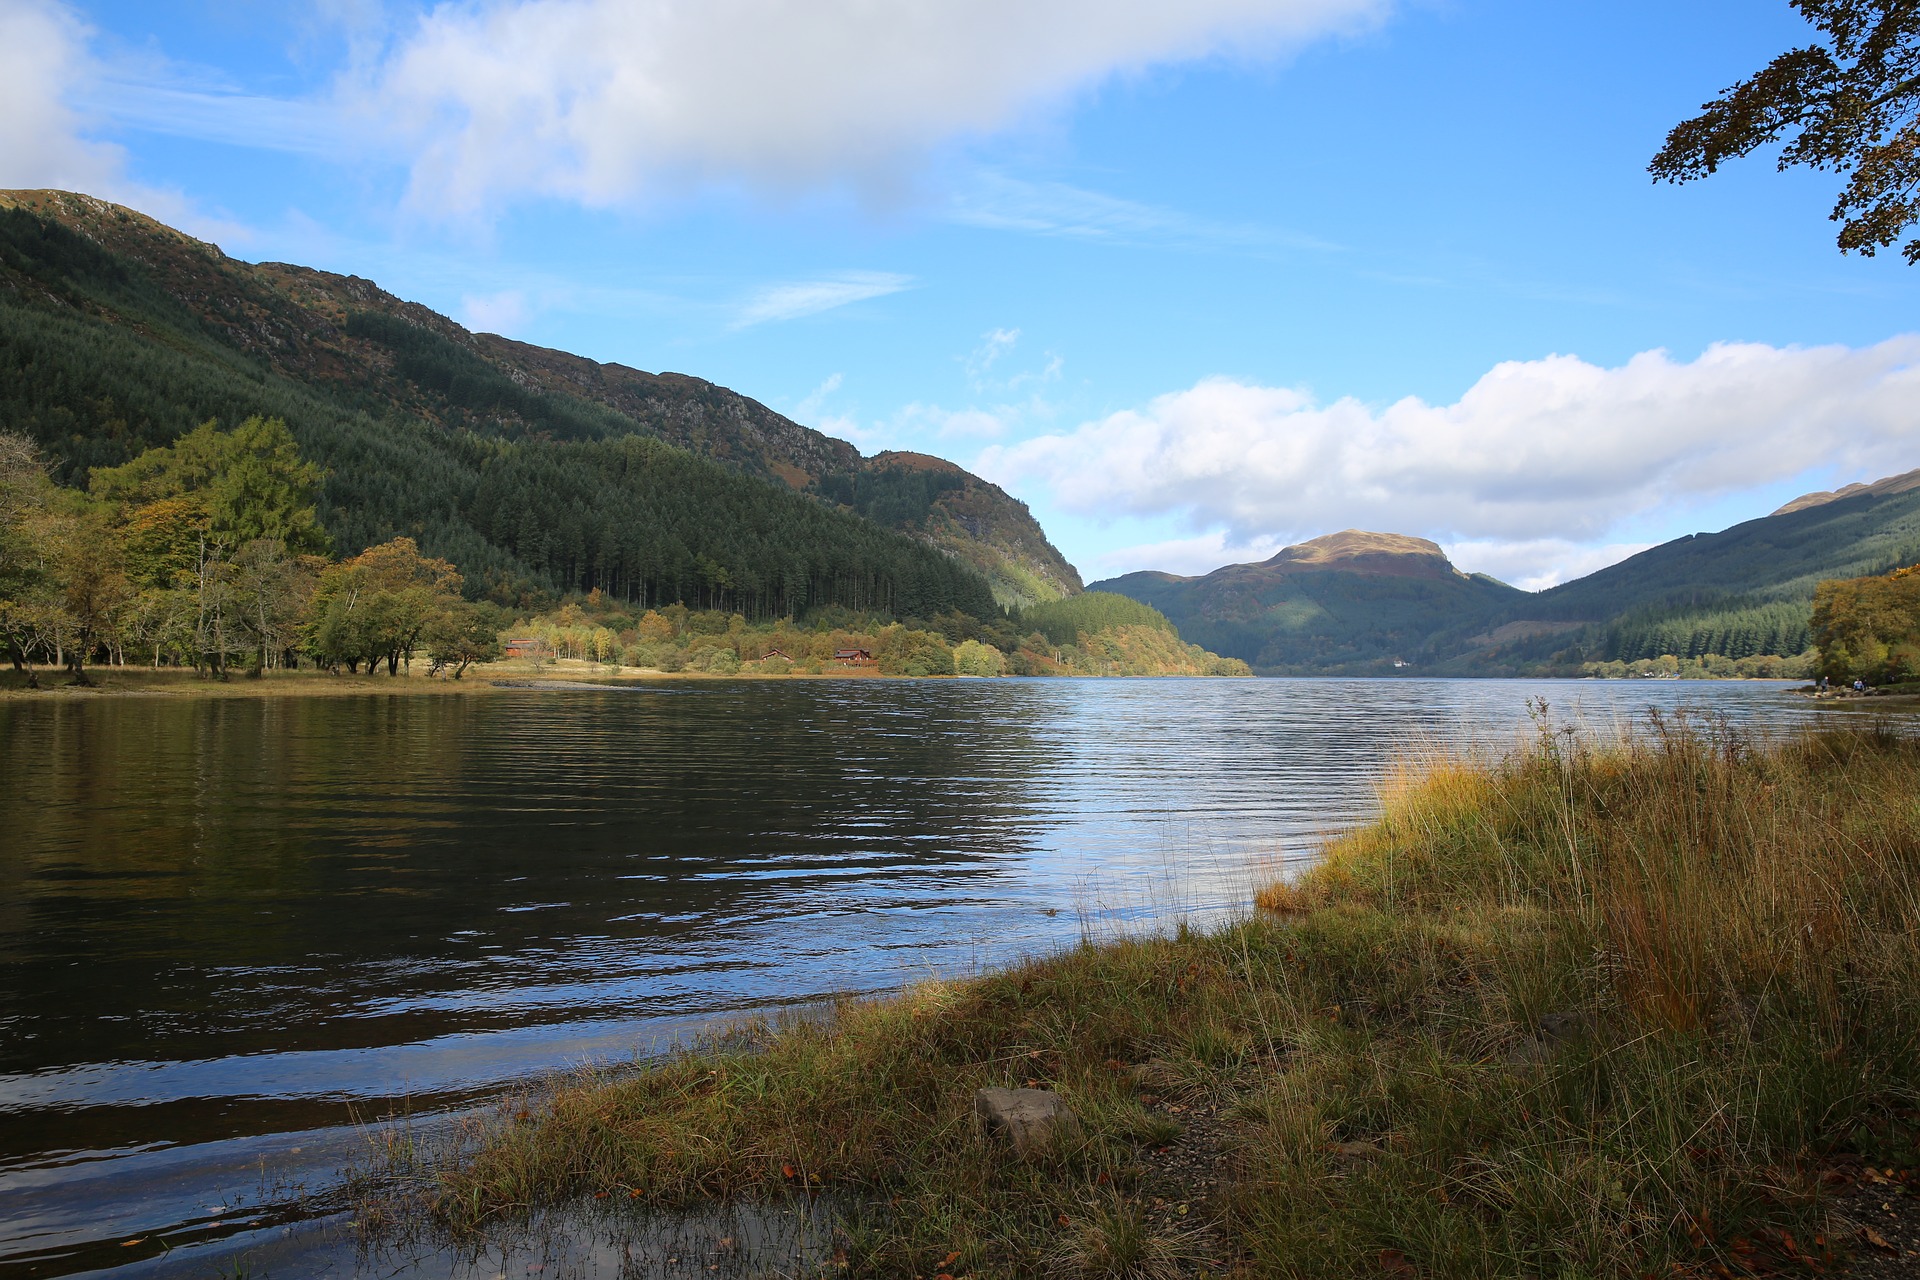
x=1037, y=1122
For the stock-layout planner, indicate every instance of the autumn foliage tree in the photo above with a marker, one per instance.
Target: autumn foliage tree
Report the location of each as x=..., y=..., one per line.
x=1869, y=628
x=1848, y=103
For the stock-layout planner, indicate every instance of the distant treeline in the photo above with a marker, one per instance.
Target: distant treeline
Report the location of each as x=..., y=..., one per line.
x=1068, y=638
x=1779, y=627
x=1065, y=621
x=896, y=497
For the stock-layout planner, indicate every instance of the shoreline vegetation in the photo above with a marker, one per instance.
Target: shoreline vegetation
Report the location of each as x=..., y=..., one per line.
x=210, y=554
x=1640, y=1008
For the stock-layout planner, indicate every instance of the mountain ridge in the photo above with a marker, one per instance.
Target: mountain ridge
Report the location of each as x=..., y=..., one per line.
x=1353, y=599
x=325, y=331
x=1885, y=486
x=1323, y=606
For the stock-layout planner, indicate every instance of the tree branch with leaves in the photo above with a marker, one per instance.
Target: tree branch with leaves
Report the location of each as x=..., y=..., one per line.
x=1849, y=104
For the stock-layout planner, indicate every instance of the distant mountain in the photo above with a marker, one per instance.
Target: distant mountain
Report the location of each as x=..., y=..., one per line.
x=1362, y=603
x=1902, y=483
x=1743, y=590
x=174, y=332
x=1351, y=601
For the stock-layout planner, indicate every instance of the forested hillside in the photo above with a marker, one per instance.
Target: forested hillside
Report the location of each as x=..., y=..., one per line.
x=1745, y=590
x=955, y=509
x=532, y=469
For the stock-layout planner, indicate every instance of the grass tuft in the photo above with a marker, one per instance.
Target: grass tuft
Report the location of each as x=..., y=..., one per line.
x=1584, y=1011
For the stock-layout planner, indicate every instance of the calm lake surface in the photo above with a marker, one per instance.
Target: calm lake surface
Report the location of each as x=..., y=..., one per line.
x=233, y=932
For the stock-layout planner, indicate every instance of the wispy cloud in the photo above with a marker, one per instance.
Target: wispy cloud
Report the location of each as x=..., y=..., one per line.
x=998, y=202
x=184, y=110
x=810, y=297
x=993, y=344
x=816, y=400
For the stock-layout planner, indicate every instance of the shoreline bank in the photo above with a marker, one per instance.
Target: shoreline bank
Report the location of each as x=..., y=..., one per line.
x=140, y=681
x=1624, y=1010
x=56, y=682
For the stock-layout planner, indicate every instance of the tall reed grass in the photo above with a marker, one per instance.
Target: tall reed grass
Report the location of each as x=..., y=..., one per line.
x=1590, y=1010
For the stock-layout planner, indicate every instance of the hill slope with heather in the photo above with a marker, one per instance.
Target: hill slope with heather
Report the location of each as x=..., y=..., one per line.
x=118, y=333
x=1359, y=603
x=1352, y=601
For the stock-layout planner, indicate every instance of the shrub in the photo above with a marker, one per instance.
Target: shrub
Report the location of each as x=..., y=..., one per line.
x=975, y=659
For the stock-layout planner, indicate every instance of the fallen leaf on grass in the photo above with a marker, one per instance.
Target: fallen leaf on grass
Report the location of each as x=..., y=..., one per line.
x=1877, y=1240
x=1395, y=1263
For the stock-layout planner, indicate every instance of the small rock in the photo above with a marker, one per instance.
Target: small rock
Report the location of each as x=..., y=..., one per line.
x=1558, y=1028
x=1554, y=1031
x=1038, y=1122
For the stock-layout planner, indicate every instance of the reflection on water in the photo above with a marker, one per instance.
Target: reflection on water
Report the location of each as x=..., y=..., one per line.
x=226, y=925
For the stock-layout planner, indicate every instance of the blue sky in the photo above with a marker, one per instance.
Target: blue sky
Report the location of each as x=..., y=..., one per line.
x=1194, y=281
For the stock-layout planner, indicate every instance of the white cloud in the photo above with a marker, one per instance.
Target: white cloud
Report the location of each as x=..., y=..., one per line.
x=605, y=100
x=47, y=75
x=1188, y=556
x=1538, y=563
x=810, y=297
x=916, y=421
x=1551, y=448
x=43, y=57
x=972, y=423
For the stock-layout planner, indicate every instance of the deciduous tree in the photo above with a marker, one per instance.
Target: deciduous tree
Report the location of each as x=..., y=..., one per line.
x=461, y=635
x=375, y=606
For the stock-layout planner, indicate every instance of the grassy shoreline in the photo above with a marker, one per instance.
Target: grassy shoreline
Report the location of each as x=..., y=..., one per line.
x=183, y=683
x=1579, y=1012
x=562, y=673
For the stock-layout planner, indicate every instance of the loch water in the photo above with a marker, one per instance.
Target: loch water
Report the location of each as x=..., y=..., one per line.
x=237, y=933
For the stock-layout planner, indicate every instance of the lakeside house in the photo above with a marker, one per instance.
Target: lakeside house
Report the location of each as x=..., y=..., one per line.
x=775, y=653
x=522, y=648
x=853, y=657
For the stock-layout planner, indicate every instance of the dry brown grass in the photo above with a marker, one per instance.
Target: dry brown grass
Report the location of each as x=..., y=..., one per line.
x=1581, y=1012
